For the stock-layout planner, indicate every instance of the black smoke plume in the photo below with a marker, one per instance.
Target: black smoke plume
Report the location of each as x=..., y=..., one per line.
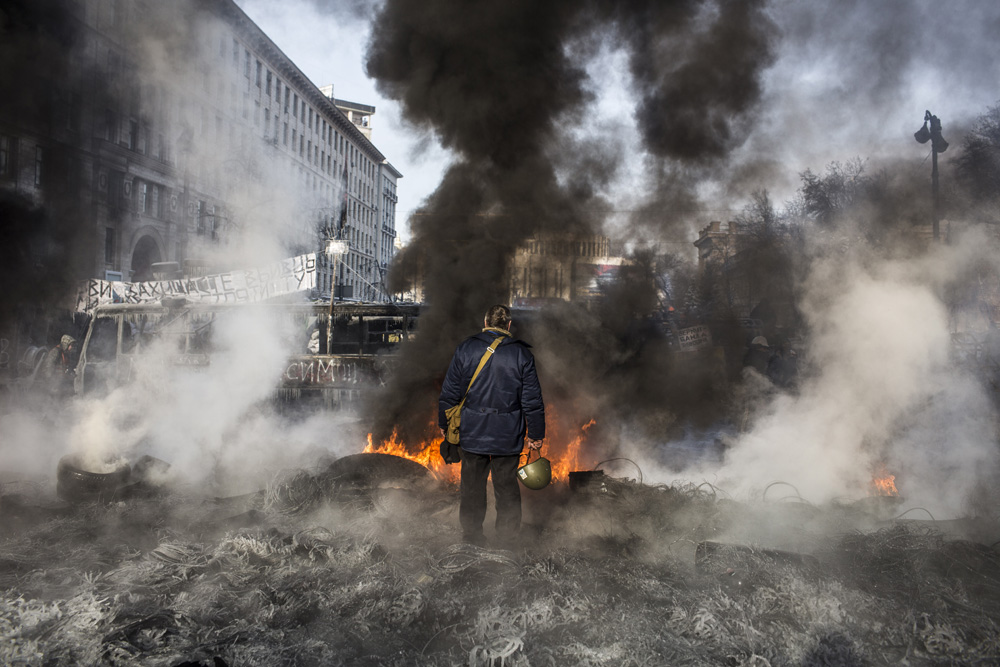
x=503, y=85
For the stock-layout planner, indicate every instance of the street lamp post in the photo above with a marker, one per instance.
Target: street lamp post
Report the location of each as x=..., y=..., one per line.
x=335, y=248
x=938, y=145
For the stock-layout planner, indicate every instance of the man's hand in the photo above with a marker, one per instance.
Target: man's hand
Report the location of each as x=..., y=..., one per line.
x=533, y=444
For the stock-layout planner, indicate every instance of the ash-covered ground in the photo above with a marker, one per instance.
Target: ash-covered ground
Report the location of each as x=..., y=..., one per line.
x=357, y=561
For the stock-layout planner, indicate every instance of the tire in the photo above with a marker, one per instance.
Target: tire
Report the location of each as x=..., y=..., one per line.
x=356, y=480
x=375, y=467
x=74, y=484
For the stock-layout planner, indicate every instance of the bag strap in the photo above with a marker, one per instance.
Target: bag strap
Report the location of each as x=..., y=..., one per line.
x=482, y=362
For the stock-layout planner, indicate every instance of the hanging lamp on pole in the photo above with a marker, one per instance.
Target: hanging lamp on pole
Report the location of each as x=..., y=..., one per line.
x=938, y=145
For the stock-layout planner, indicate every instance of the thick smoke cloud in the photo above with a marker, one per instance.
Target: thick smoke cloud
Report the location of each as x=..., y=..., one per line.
x=503, y=86
x=883, y=389
x=729, y=98
x=696, y=75
x=213, y=424
x=44, y=250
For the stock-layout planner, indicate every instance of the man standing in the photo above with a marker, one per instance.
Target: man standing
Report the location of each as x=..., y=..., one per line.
x=503, y=411
x=58, y=368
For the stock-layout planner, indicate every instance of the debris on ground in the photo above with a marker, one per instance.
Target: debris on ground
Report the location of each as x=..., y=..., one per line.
x=336, y=567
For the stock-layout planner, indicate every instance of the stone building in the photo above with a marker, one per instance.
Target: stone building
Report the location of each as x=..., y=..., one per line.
x=179, y=132
x=561, y=268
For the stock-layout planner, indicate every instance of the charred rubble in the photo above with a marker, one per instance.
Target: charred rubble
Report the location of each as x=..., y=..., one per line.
x=356, y=562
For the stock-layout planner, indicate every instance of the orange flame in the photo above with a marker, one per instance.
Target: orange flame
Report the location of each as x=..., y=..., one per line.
x=563, y=453
x=883, y=483
x=565, y=458
x=426, y=454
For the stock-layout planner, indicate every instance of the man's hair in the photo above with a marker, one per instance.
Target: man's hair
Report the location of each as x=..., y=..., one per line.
x=498, y=316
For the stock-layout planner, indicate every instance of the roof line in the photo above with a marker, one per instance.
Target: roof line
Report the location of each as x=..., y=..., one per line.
x=264, y=42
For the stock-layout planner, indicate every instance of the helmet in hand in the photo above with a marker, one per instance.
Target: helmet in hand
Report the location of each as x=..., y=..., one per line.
x=535, y=474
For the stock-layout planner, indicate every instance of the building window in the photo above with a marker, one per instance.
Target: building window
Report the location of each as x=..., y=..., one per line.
x=288, y=93
x=310, y=119
x=309, y=150
x=110, y=125
x=154, y=206
x=284, y=138
x=295, y=136
x=39, y=164
x=302, y=146
x=267, y=123
x=5, y=161
x=109, y=245
x=133, y=135
x=268, y=87
x=257, y=74
x=295, y=105
x=236, y=53
x=143, y=199
x=246, y=64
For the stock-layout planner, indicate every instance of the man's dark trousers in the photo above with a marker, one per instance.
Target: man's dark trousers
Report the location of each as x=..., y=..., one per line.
x=472, y=510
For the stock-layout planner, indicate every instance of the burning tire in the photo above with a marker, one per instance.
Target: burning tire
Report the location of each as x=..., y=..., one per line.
x=75, y=484
x=357, y=479
x=376, y=468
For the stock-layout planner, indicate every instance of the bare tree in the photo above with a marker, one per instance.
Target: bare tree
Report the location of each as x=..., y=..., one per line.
x=840, y=189
x=978, y=163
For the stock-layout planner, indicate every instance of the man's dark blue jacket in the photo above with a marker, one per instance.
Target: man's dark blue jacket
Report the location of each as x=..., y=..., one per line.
x=504, y=400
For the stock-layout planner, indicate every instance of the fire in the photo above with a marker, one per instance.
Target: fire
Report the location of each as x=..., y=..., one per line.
x=565, y=458
x=426, y=454
x=562, y=451
x=883, y=483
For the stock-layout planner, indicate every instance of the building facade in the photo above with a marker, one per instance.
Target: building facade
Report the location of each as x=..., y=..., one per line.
x=565, y=268
x=179, y=132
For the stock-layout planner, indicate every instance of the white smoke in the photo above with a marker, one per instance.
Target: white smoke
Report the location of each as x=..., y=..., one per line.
x=883, y=389
x=214, y=425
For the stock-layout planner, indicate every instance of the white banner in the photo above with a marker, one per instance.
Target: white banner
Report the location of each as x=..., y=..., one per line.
x=288, y=276
x=694, y=338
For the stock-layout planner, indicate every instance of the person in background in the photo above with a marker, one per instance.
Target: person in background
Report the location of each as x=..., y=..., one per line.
x=59, y=367
x=758, y=355
x=503, y=411
x=782, y=369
